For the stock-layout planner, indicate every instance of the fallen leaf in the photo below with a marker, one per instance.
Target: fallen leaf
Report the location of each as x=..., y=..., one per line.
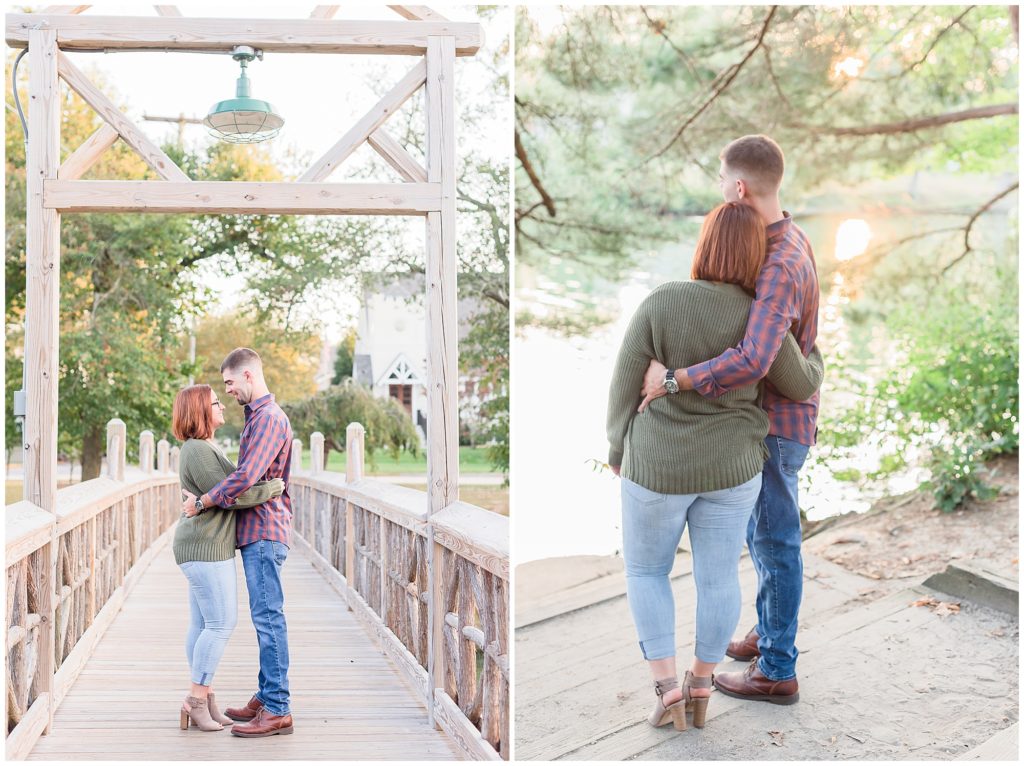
x=777, y=737
x=946, y=607
x=926, y=601
x=997, y=633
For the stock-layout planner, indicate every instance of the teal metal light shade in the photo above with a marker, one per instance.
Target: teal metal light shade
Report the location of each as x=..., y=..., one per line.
x=243, y=119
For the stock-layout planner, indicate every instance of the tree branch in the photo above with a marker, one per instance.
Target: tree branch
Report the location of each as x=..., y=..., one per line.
x=918, y=123
x=733, y=70
x=549, y=203
x=970, y=224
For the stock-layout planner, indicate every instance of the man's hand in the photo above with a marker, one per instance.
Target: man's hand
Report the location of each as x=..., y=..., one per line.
x=654, y=383
x=188, y=505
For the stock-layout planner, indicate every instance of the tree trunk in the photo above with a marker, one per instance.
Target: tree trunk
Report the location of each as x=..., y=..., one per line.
x=92, y=452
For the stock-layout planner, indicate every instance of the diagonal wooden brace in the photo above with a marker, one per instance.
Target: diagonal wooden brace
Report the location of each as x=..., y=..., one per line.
x=152, y=154
x=373, y=119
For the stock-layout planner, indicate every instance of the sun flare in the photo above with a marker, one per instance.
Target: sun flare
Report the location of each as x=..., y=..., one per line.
x=852, y=238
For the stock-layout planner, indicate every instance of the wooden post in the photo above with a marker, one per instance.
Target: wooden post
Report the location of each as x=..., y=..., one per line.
x=355, y=436
x=117, y=441
x=296, y=458
x=146, y=451
x=163, y=456
x=442, y=332
x=175, y=454
x=316, y=452
x=42, y=315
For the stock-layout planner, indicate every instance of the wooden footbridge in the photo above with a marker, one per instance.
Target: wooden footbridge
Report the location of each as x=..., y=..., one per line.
x=360, y=617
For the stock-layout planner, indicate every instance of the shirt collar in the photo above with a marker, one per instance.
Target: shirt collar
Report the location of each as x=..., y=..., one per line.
x=252, y=407
x=780, y=228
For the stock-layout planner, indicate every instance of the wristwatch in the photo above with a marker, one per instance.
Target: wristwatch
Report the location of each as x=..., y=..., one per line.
x=199, y=505
x=670, y=382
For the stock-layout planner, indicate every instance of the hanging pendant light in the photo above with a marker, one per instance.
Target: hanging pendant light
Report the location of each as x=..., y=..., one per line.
x=243, y=119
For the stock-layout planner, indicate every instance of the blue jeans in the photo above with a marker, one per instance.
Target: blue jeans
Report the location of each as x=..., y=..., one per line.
x=652, y=524
x=213, y=603
x=262, y=562
x=773, y=539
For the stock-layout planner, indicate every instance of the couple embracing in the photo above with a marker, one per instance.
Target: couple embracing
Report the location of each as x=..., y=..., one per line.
x=227, y=507
x=728, y=372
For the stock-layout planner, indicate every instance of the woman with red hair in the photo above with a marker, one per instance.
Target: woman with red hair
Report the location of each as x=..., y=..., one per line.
x=204, y=548
x=690, y=461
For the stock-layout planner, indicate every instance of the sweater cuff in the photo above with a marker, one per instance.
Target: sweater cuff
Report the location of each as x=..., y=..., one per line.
x=615, y=456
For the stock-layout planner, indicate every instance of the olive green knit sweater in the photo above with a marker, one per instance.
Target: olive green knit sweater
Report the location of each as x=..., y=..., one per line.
x=683, y=443
x=210, y=536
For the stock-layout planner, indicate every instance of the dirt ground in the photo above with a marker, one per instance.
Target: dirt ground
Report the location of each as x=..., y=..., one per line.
x=904, y=538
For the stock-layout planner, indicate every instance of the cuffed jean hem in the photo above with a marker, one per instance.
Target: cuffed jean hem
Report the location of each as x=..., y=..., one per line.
x=770, y=676
x=659, y=647
x=712, y=654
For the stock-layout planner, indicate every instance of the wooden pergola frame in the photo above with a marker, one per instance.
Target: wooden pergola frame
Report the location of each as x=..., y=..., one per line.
x=54, y=189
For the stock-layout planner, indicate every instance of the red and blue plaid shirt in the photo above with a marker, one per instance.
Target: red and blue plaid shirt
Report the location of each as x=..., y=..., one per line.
x=787, y=298
x=264, y=452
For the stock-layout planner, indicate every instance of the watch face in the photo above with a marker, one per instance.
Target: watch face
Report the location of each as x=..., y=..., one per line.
x=671, y=385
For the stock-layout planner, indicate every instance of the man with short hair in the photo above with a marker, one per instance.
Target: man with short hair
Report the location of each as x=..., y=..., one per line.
x=263, y=536
x=787, y=299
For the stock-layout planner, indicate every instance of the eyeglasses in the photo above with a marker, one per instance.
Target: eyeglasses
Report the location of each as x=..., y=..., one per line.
x=217, y=403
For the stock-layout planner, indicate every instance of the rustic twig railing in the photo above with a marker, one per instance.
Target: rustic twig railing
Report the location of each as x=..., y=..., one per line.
x=369, y=539
x=107, y=530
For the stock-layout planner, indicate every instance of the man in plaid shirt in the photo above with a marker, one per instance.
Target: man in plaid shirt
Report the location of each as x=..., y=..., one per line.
x=263, y=536
x=786, y=300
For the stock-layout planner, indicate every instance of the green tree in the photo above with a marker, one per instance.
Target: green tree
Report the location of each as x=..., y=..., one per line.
x=343, y=363
x=330, y=412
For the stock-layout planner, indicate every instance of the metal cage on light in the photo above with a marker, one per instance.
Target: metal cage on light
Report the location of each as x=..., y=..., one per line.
x=243, y=119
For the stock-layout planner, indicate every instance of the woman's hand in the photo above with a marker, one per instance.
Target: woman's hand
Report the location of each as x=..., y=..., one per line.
x=276, y=487
x=616, y=469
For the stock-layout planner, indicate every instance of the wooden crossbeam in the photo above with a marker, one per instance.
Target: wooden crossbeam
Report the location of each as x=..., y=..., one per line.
x=152, y=154
x=170, y=11
x=86, y=155
x=282, y=35
x=373, y=119
x=417, y=13
x=238, y=197
x=396, y=156
x=324, y=12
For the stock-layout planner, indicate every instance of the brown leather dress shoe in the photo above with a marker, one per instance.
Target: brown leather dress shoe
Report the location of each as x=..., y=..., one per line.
x=752, y=684
x=265, y=724
x=245, y=713
x=745, y=649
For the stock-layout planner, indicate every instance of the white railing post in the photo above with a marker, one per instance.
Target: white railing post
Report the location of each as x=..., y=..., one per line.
x=117, y=442
x=296, y=455
x=146, y=451
x=175, y=453
x=163, y=455
x=355, y=446
x=316, y=452
x=355, y=439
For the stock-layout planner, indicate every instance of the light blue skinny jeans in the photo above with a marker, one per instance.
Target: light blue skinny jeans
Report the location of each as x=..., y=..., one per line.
x=213, y=602
x=652, y=525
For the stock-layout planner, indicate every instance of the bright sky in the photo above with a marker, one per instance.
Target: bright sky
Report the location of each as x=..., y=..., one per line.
x=319, y=95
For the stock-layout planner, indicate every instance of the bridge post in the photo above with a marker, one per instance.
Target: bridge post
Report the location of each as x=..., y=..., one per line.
x=42, y=336
x=146, y=451
x=117, y=441
x=316, y=452
x=163, y=456
x=442, y=335
x=355, y=436
x=175, y=453
x=296, y=456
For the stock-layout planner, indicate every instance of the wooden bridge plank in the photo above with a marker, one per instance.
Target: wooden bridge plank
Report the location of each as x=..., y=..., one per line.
x=348, y=698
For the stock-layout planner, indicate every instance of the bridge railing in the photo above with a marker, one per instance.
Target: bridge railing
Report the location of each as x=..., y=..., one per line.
x=369, y=539
x=68, y=574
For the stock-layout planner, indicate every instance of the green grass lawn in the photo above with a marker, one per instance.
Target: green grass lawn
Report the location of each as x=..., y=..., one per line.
x=471, y=460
